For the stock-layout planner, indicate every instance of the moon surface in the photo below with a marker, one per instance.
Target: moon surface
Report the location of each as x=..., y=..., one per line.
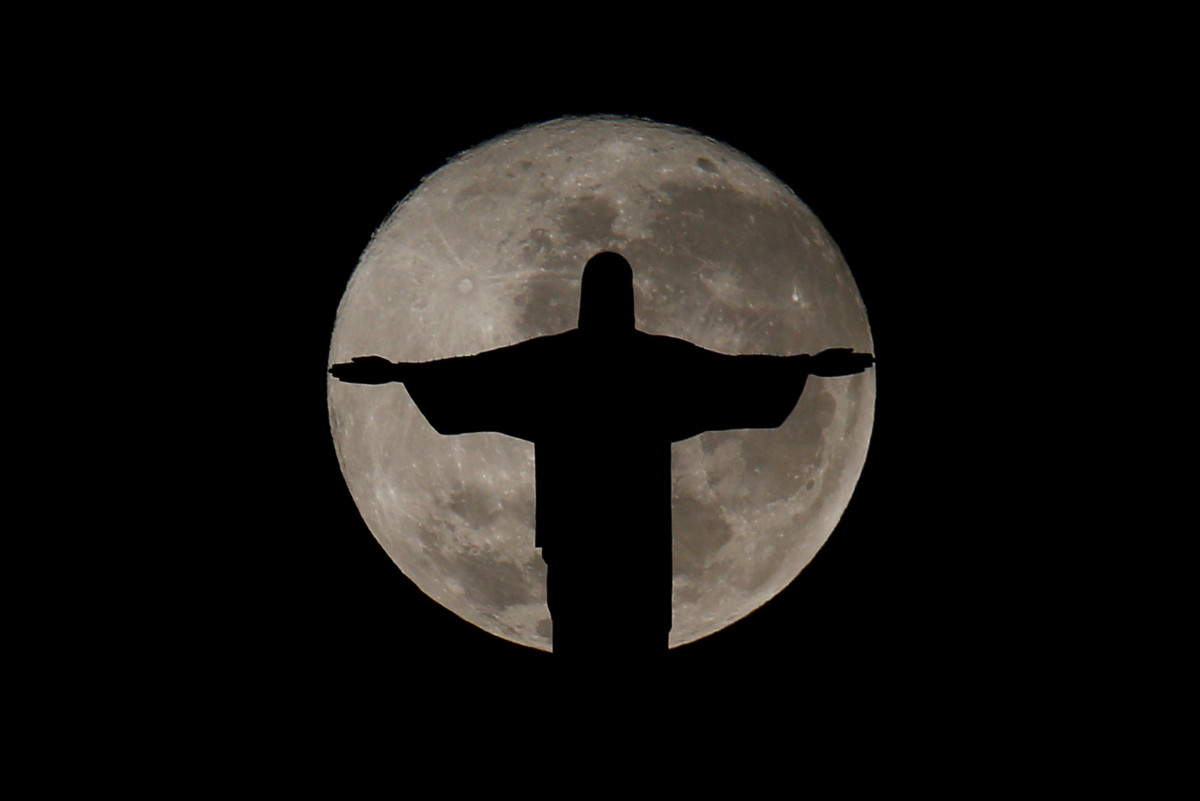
x=489, y=250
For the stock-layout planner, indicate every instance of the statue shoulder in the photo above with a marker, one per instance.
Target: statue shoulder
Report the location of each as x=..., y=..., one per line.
x=672, y=348
x=667, y=343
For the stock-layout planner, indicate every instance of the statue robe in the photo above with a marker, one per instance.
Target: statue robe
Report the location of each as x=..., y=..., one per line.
x=602, y=412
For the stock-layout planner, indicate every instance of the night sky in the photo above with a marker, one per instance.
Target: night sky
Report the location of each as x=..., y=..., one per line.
x=912, y=597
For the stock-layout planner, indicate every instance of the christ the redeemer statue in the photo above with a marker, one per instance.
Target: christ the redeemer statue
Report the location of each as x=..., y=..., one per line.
x=602, y=404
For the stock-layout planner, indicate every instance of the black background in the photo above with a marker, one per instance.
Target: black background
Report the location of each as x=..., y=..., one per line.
x=928, y=592
x=203, y=186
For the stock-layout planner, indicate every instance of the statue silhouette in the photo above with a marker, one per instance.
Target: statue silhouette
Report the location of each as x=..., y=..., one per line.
x=602, y=404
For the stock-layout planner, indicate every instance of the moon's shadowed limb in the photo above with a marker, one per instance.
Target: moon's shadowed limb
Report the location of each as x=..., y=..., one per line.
x=487, y=253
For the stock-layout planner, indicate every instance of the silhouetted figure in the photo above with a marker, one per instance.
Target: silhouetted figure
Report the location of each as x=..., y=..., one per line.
x=602, y=404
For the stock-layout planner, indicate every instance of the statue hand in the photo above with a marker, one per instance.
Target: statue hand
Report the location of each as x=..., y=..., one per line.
x=365, y=370
x=839, y=361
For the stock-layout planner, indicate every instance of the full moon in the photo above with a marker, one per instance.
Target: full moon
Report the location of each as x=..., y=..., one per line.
x=489, y=250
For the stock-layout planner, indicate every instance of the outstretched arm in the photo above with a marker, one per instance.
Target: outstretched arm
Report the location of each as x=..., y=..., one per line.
x=720, y=392
x=369, y=370
x=835, y=362
x=448, y=391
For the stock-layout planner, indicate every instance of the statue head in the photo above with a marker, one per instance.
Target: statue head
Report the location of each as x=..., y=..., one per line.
x=606, y=294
